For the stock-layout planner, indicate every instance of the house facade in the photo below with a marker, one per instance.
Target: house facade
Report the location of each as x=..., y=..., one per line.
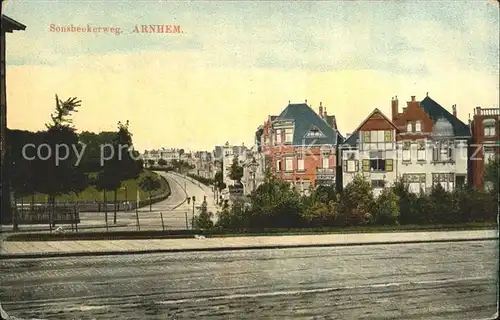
x=371, y=150
x=485, y=143
x=424, y=145
x=301, y=146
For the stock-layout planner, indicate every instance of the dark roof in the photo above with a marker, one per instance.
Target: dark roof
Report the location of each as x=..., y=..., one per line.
x=436, y=111
x=305, y=119
x=273, y=118
x=352, y=141
x=9, y=24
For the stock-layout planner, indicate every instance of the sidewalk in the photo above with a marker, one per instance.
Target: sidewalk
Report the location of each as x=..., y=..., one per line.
x=34, y=249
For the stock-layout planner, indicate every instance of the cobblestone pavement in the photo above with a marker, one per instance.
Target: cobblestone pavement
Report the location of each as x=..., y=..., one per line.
x=407, y=281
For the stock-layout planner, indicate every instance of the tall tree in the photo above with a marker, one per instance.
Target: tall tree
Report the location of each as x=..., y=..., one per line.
x=149, y=184
x=236, y=171
x=59, y=176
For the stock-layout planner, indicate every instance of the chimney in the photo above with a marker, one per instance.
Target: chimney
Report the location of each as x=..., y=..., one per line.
x=324, y=114
x=334, y=122
x=412, y=98
x=321, y=109
x=394, y=108
x=306, y=101
x=454, y=108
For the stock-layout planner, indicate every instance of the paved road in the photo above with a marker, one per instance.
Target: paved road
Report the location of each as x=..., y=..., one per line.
x=412, y=281
x=174, y=209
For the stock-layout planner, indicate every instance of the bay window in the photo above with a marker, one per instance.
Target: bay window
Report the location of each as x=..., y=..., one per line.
x=442, y=151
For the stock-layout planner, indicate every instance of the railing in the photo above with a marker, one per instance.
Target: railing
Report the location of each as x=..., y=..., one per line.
x=490, y=111
x=325, y=171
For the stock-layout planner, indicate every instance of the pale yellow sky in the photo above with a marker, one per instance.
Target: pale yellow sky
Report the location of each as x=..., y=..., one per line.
x=181, y=98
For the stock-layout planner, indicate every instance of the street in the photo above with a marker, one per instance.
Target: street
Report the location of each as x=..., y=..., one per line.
x=174, y=209
x=406, y=281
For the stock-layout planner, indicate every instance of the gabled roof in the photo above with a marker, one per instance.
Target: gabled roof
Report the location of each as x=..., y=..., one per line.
x=304, y=119
x=435, y=111
x=9, y=24
x=352, y=140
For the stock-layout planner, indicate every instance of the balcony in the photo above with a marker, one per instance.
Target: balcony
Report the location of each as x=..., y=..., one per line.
x=488, y=111
x=325, y=174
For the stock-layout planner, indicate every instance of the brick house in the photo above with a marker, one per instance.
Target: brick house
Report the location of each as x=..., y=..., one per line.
x=301, y=146
x=485, y=143
x=424, y=145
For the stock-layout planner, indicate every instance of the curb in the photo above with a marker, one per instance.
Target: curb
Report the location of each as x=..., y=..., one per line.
x=215, y=249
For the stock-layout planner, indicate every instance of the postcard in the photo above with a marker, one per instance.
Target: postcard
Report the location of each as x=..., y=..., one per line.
x=249, y=159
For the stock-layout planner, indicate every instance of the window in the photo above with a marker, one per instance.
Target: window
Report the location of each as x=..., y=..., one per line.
x=421, y=151
x=388, y=136
x=418, y=126
x=278, y=165
x=300, y=162
x=377, y=140
x=406, y=151
x=351, y=166
x=278, y=136
x=446, y=180
x=378, y=184
x=288, y=135
x=288, y=164
x=325, y=162
x=443, y=151
x=489, y=127
x=409, y=126
x=366, y=137
x=314, y=133
x=415, y=182
x=378, y=161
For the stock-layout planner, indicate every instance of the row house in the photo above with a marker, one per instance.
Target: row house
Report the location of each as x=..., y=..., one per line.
x=301, y=146
x=485, y=144
x=424, y=145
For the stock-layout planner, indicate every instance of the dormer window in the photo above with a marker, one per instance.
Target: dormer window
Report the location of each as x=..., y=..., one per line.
x=409, y=126
x=418, y=126
x=314, y=133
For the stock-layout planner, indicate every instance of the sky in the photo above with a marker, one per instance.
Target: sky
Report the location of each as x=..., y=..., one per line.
x=236, y=63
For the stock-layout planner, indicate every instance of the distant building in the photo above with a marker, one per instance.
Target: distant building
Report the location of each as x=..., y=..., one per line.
x=485, y=142
x=301, y=146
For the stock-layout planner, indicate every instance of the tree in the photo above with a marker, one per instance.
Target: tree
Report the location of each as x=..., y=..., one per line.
x=491, y=175
x=386, y=208
x=356, y=202
x=203, y=220
x=150, y=162
x=58, y=176
x=106, y=181
x=149, y=184
x=274, y=204
x=236, y=171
